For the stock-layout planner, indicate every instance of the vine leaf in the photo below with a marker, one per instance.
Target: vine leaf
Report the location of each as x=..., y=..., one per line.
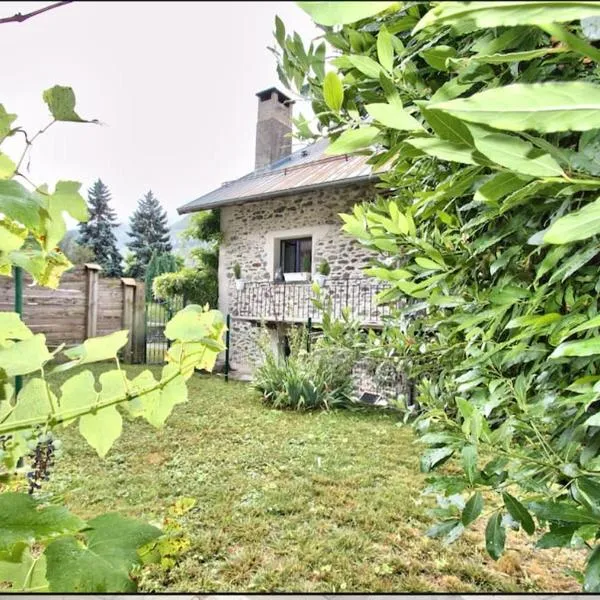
x=101, y=563
x=25, y=574
x=23, y=519
x=101, y=428
x=25, y=356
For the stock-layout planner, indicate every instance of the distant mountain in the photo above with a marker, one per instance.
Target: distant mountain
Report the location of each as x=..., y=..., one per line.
x=180, y=246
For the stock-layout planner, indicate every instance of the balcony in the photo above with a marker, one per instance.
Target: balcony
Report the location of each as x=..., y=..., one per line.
x=291, y=302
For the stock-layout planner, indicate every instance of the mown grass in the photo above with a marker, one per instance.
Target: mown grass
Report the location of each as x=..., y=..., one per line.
x=318, y=502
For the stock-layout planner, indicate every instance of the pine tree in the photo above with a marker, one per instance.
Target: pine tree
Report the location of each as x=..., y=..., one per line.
x=149, y=233
x=97, y=234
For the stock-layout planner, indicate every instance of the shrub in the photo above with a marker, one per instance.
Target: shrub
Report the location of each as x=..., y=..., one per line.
x=196, y=286
x=319, y=379
x=324, y=268
x=237, y=271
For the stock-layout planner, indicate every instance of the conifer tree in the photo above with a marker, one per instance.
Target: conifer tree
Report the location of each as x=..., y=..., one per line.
x=97, y=234
x=149, y=233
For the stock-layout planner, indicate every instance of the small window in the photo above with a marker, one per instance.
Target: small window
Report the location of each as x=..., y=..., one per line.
x=296, y=255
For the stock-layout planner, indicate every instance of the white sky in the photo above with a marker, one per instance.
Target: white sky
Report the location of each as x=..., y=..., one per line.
x=174, y=82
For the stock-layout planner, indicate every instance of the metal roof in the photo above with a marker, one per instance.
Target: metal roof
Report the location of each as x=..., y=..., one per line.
x=306, y=169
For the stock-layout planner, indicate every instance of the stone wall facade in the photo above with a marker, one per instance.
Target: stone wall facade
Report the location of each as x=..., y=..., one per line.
x=251, y=237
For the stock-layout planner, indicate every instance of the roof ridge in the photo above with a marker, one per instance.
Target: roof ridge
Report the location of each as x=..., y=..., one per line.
x=254, y=175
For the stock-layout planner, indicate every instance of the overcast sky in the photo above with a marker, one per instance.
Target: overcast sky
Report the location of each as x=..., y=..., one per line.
x=174, y=82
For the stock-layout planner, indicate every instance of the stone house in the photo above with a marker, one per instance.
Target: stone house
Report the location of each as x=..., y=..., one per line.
x=283, y=219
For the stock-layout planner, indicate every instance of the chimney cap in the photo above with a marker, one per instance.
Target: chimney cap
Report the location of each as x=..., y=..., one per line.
x=266, y=95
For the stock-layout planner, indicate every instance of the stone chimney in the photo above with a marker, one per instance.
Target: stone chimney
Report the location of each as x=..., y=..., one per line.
x=273, y=127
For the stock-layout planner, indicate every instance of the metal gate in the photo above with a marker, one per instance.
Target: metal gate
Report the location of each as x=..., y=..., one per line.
x=158, y=314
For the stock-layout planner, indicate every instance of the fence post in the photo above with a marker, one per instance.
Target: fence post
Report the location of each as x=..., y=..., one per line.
x=227, y=340
x=92, y=271
x=127, y=317
x=18, y=275
x=139, y=323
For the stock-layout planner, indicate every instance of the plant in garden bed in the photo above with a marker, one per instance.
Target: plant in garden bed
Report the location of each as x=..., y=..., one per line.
x=319, y=379
x=488, y=118
x=44, y=547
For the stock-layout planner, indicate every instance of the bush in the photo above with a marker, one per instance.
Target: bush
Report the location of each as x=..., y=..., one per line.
x=196, y=286
x=319, y=379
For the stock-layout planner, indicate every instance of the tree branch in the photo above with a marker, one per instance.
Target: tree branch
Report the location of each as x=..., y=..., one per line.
x=19, y=18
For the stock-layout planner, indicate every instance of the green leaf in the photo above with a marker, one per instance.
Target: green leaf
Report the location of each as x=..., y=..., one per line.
x=28, y=574
x=333, y=91
x=66, y=198
x=472, y=509
x=517, y=155
x=433, y=458
x=437, y=56
x=427, y=263
x=279, y=31
x=518, y=512
x=26, y=356
x=352, y=140
x=101, y=429
x=6, y=121
x=76, y=393
x=23, y=519
x=473, y=15
x=385, y=49
x=450, y=90
x=557, y=537
x=103, y=562
x=562, y=512
x=579, y=225
x=61, y=102
x=98, y=348
x=7, y=166
x=12, y=328
x=581, y=348
x=447, y=126
x=499, y=186
x=444, y=149
x=545, y=107
x=392, y=116
x=495, y=536
x=469, y=462
x=18, y=204
x=343, y=13
x=499, y=59
x=591, y=582
x=591, y=324
x=366, y=65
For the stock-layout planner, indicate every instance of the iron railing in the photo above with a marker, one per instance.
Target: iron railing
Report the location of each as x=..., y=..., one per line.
x=292, y=302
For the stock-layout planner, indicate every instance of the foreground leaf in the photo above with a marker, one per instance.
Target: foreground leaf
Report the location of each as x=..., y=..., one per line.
x=495, y=536
x=22, y=519
x=545, y=107
x=578, y=225
x=343, y=13
x=103, y=562
x=352, y=140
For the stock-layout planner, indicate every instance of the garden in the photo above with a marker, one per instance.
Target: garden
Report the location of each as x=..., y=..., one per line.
x=263, y=500
x=121, y=478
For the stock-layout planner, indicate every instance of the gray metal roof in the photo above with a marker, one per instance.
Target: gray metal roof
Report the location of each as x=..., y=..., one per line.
x=306, y=169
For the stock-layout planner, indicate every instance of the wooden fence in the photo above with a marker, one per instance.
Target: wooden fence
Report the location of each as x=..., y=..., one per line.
x=86, y=304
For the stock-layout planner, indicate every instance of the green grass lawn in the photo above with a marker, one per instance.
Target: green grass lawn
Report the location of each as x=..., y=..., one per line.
x=318, y=502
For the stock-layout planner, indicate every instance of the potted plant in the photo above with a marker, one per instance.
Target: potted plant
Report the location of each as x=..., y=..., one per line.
x=322, y=273
x=306, y=262
x=237, y=273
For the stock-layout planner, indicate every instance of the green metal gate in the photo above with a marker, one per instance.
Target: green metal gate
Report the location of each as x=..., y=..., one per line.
x=158, y=314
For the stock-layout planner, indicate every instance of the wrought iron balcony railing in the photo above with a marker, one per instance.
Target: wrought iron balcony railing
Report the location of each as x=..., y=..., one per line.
x=292, y=302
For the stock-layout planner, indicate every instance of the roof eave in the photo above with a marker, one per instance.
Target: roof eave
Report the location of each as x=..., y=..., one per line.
x=188, y=208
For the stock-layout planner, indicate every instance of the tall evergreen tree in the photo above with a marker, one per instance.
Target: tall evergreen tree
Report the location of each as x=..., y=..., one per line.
x=149, y=233
x=97, y=234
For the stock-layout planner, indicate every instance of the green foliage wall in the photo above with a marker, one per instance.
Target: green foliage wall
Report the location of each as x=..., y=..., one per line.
x=486, y=116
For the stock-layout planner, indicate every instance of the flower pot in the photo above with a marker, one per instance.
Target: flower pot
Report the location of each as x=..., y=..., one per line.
x=297, y=276
x=320, y=279
x=239, y=284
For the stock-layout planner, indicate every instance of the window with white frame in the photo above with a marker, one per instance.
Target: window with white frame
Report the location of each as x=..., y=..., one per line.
x=295, y=255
